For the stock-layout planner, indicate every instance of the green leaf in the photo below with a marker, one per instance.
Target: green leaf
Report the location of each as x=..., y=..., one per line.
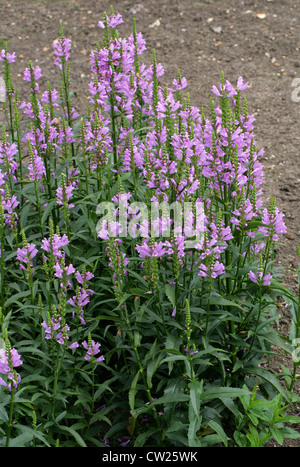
x=267, y=376
x=133, y=390
x=21, y=440
x=170, y=293
x=74, y=433
x=194, y=427
x=219, y=430
x=34, y=433
x=221, y=392
x=61, y=416
x=14, y=298
x=196, y=389
x=172, y=398
x=277, y=435
x=216, y=299
x=48, y=210
x=3, y=414
x=142, y=437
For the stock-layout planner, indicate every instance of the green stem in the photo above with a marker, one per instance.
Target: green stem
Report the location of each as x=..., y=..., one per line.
x=149, y=394
x=113, y=122
x=208, y=307
x=2, y=264
x=10, y=420
x=39, y=208
x=257, y=320
x=93, y=387
x=56, y=373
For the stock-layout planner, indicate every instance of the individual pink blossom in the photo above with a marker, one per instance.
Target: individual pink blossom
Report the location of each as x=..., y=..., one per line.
x=74, y=345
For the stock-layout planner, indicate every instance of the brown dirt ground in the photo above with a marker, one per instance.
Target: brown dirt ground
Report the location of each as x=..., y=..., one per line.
x=258, y=40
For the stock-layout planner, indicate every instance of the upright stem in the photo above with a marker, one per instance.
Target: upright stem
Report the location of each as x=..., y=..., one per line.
x=56, y=372
x=2, y=263
x=39, y=208
x=10, y=420
x=148, y=393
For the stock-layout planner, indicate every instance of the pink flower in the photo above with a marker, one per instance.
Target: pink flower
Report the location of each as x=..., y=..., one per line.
x=25, y=255
x=92, y=349
x=9, y=360
x=217, y=269
x=64, y=195
x=56, y=329
x=9, y=57
x=61, y=50
x=241, y=85
x=259, y=278
x=112, y=21
x=74, y=345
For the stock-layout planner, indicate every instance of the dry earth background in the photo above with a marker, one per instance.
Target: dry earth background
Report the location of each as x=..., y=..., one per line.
x=259, y=40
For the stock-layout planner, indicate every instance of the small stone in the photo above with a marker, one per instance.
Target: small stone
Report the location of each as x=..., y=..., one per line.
x=216, y=29
x=155, y=24
x=261, y=15
x=135, y=9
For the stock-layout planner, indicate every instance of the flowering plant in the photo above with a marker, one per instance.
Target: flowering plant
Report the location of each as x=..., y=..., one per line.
x=176, y=282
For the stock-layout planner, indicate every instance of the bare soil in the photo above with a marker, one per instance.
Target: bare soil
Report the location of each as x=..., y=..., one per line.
x=258, y=40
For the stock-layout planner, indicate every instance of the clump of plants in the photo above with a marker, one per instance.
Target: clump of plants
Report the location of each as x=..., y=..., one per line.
x=138, y=287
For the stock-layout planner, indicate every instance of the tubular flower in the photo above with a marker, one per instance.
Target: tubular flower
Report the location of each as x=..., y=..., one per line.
x=9, y=360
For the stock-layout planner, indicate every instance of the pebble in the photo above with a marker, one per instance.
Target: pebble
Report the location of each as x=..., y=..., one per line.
x=216, y=29
x=155, y=24
x=261, y=15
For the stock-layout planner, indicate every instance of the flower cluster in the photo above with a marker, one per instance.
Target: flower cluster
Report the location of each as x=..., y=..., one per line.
x=56, y=329
x=92, y=349
x=63, y=194
x=182, y=156
x=25, y=256
x=82, y=295
x=9, y=360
